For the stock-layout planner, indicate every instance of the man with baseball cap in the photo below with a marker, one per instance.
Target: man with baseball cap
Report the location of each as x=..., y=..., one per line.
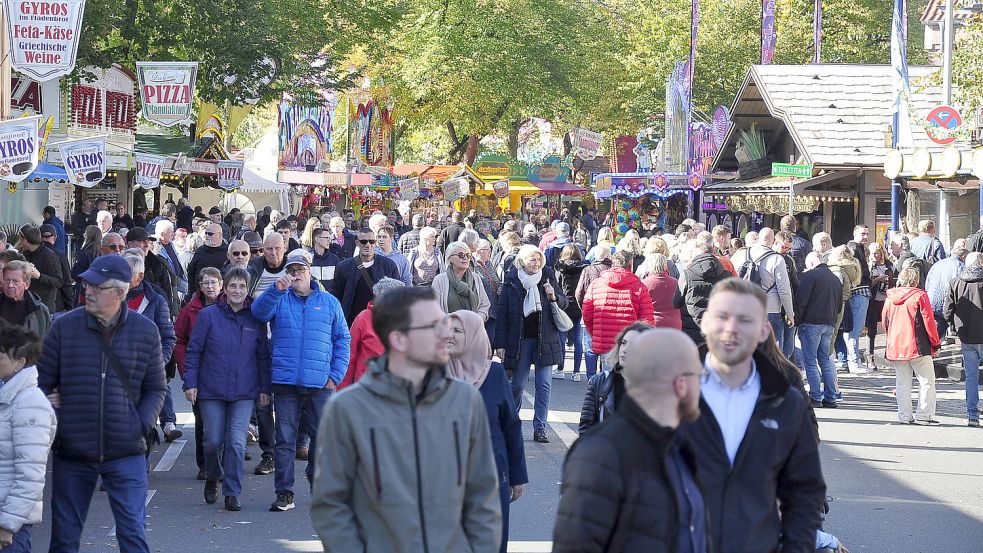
x=311, y=345
x=156, y=271
x=101, y=366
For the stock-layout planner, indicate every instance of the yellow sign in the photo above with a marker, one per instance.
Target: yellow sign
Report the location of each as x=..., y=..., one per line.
x=11, y=187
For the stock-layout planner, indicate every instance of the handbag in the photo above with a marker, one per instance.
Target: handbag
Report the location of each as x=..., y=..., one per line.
x=562, y=321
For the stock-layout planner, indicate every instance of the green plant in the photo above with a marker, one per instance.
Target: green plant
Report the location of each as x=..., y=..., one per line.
x=753, y=143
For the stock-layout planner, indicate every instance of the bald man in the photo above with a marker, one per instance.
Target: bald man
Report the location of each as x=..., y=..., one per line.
x=213, y=253
x=628, y=484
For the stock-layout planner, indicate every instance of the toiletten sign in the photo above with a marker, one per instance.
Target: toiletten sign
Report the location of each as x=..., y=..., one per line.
x=43, y=36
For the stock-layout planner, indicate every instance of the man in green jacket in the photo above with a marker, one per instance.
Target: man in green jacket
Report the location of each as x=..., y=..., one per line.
x=418, y=473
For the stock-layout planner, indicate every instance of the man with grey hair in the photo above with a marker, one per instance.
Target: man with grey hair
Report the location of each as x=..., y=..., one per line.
x=530, y=235
x=556, y=247
x=248, y=225
x=763, y=264
x=101, y=366
x=963, y=314
x=411, y=239
x=213, y=253
x=238, y=255
x=939, y=279
x=104, y=220
x=695, y=283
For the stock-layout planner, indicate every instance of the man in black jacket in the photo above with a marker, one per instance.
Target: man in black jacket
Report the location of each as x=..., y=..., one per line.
x=962, y=311
x=156, y=270
x=48, y=286
x=629, y=485
x=695, y=284
x=818, y=301
x=49, y=235
x=213, y=253
x=756, y=449
x=451, y=232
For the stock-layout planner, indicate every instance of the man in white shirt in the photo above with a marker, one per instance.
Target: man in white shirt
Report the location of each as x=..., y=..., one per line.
x=755, y=444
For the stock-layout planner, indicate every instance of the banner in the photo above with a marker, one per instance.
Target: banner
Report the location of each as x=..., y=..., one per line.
x=19, y=146
x=456, y=188
x=409, y=189
x=43, y=36
x=230, y=174
x=304, y=134
x=501, y=188
x=149, y=168
x=899, y=63
x=586, y=143
x=167, y=90
x=769, y=35
x=85, y=160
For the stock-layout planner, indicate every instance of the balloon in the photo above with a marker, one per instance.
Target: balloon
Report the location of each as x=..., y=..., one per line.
x=621, y=217
x=625, y=204
x=622, y=228
x=633, y=215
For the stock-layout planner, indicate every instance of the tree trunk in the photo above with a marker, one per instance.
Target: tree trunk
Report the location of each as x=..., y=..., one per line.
x=913, y=212
x=513, y=140
x=472, y=150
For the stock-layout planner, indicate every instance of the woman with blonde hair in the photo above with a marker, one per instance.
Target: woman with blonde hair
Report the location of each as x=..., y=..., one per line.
x=605, y=237
x=881, y=274
x=656, y=245
x=631, y=243
x=510, y=242
x=307, y=237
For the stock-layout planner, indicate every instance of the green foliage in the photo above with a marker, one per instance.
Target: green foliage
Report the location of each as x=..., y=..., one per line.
x=967, y=66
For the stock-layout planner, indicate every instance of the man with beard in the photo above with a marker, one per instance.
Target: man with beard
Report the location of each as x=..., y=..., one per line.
x=617, y=476
x=756, y=449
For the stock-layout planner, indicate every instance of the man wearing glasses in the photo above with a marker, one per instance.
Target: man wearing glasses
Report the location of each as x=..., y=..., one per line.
x=311, y=345
x=238, y=255
x=356, y=276
x=213, y=253
x=325, y=262
x=421, y=474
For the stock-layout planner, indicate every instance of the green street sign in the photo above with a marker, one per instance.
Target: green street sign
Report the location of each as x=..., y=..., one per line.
x=790, y=170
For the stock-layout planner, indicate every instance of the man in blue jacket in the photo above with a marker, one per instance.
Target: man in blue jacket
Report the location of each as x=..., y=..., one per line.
x=51, y=218
x=311, y=345
x=102, y=369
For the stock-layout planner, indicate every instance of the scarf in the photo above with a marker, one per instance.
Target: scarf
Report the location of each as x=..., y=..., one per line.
x=471, y=365
x=532, y=302
x=460, y=292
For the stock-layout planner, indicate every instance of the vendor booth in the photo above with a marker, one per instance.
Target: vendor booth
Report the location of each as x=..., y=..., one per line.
x=659, y=199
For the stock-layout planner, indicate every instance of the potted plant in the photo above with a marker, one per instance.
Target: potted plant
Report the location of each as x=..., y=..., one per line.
x=752, y=154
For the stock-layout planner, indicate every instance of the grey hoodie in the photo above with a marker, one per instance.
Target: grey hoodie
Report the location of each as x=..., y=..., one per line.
x=397, y=473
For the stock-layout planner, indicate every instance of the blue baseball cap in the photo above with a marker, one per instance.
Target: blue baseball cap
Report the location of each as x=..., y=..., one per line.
x=107, y=267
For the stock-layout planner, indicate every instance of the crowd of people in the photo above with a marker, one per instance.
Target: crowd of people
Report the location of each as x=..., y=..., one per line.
x=694, y=343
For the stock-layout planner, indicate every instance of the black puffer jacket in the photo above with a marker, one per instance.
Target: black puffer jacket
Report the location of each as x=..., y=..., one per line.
x=696, y=281
x=206, y=256
x=771, y=499
x=962, y=305
x=97, y=421
x=600, y=402
x=568, y=275
x=617, y=494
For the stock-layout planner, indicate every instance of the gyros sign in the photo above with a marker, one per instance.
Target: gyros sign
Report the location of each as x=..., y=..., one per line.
x=18, y=148
x=44, y=36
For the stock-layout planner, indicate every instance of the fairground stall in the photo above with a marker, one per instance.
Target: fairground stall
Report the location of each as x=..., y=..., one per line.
x=659, y=199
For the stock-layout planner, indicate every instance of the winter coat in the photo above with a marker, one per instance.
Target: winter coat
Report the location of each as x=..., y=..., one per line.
x=323, y=268
x=568, y=276
x=505, y=427
x=555, y=248
x=963, y=305
x=416, y=475
x=27, y=428
x=154, y=307
x=366, y=345
x=773, y=273
x=509, y=321
x=848, y=273
x=618, y=492
x=228, y=356
x=206, y=256
x=662, y=289
x=819, y=297
x=599, y=401
x=589, y=274
x=615, y=300
x=346, y=251
x=183, y=326
x=347, y=276
x=441, y=287
x=939, y=280
x=48, y=286
x=310, y=339
x=97, y=421
x=909, y=324
x=449, y=234
x=778, y=459
x=695, y=284
x=66, y=295
x=38, y=318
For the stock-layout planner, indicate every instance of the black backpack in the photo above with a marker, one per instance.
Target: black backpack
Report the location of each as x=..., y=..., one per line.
x=750, y=270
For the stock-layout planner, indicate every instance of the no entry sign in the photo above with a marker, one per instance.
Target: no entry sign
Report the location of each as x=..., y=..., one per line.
x=943, y=117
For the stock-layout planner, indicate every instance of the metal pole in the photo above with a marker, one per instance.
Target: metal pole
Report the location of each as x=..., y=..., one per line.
x=817, y=32
x=895, y=185
x=791, y=196
x=947, y=44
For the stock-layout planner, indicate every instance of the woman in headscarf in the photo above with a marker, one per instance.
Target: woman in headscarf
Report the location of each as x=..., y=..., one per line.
x=526, y=332
x=470, y=355
x=458, y=287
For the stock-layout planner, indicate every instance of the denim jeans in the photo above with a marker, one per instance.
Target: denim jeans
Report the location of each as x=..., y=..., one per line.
x=72, y=486
x=819, y=366
x=858, y=308
x=225, y=441
x=527, y=356
x=576, y=334
x=972, y=353
x=289, y=407
x=21, y=542
x=265, y=429
x=167, y=411
x=590, y=358
x=778, y=325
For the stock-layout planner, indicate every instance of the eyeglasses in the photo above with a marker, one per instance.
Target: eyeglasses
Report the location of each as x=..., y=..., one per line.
x=97, y=288
x=114, y=247
x=366, y=242
x=437, y=326
x=239, y=254
x=207, y=233
x=296, y=271
x=462, y=256
x=209, y=283
x=257, y=251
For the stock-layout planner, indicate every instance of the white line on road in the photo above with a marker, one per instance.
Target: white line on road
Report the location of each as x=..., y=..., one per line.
x=514, y=546
x=566, y=434
x=150, y=495
x=170, y=456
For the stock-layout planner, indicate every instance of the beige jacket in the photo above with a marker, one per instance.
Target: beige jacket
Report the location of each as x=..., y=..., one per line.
x=440, y=286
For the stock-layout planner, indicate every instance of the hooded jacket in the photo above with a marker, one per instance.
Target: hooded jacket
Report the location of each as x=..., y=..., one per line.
x=963, y=303
x=615, y=300
x=849, y=275
x=27, y=428
x=695, y=284
x=416, y=476
x=568, y=276
x=910, y=324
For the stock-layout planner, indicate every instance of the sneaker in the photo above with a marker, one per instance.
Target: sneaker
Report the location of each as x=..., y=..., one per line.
x=576, y=377
x=829, y=404
x=171, y=432
x=558, y=375
x=929, y=422
x=252, y=434
x=302, y=453
x=857, y=369
x=284, y=502
x=975, y=423
x=815, y=403
x=265, y=466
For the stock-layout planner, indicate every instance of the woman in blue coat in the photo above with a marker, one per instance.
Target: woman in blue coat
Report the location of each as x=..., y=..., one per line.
x=470, y=355
x=226, y=368
x=526, y=332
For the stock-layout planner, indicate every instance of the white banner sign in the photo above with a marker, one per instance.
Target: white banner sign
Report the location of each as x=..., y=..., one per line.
x=149, y=168
x=230, y=174
x=44, y=36
x=167, y=91
x=85, y=160
x=409, y=189
x=19, y=147
x=456, y=188
x=587, y=143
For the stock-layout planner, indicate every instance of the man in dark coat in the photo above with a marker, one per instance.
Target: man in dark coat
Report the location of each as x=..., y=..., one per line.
x=695, y=283
x=157, y=271
x=49, y=284
x=629, y=485
x=61, y=238
x=354, y=277
x=66, y=301
x=213, y=253
x=818, y=300
x=451, y=232
x=107, y=403
x=962, y=311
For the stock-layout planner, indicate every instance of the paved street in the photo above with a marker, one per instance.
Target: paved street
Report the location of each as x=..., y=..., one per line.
x=892, y=487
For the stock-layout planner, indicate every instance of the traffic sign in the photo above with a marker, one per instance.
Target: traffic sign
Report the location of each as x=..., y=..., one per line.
x=943, y=117
x=790, y=170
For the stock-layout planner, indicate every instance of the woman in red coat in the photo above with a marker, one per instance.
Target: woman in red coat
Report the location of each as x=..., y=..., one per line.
x=614, y=300
x=365, y=342
x=661, y=289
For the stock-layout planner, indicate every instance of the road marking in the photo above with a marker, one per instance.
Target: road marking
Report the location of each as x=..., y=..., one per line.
x=185, y=419
x=566, y=434
x=513, y=547
x=150, y=495
x=170, y=456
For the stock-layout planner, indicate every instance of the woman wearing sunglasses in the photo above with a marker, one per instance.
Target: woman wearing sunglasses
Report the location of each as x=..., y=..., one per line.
x=459, y=287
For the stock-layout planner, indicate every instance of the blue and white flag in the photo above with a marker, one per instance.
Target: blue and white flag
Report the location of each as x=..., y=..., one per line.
x=899, y=63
